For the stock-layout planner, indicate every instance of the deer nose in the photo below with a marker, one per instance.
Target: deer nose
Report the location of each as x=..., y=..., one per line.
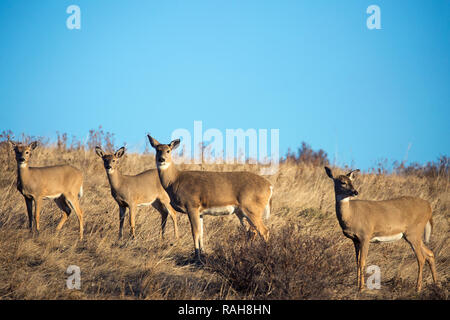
x=22, y=159
x=355, y=193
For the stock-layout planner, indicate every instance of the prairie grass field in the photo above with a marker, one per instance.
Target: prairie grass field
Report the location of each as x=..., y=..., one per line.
x=307, y=255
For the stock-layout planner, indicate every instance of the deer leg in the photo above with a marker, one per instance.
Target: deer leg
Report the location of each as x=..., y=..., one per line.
x=29, y=203
x=416, y=245
x=256, y=221
x=201, y=234
x=61, y=203
x=167, y=208
x=37, y=212
x=241, y=219
x=429, y=256
x=248, y=229
x=164, y=213
x=357, y=253
x=364, y=249
x=132, y=209
x=173, y=216
x=75, y=206
x=196, y=226
x=122, y=211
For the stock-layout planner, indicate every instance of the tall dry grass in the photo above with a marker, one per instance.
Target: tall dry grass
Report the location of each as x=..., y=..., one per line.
x=307, y=256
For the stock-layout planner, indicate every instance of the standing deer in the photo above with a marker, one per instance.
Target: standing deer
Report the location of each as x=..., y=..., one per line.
x=199, y=193
x=366, y=221
x=62, y=183
x=130, y=192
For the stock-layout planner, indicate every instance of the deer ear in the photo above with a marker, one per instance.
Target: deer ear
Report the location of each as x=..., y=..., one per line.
x=351, y=174
x=153, y=141
x=99, y=151
x=329, y=173
x=119, y=153
x=33, y=145
x=174, y=144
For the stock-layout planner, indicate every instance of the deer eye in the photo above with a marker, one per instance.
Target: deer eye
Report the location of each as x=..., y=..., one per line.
x=167, y=151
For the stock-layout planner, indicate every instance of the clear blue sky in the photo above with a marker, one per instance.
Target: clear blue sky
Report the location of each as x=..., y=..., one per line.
x=311, y=69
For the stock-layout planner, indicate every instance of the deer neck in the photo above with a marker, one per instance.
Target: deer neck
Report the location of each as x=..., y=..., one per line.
x=168, y=174
x=114, y=178
x=23, y=174
x=343, y=210
x=23, y=171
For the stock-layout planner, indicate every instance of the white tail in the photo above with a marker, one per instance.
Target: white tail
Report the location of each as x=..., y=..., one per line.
x=427, y=233
x=80, y=193
x=63, y=184
x=268, y=205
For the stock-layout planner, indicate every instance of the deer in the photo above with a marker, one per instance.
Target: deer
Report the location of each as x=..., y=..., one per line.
x=200, y=193
x=61, y=183
x=370, y=221
x=130, y=192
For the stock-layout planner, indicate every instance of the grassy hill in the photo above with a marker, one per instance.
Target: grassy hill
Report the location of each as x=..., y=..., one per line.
x=306, y=257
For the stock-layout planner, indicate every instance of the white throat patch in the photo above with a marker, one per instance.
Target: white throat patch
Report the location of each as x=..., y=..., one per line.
x=344, y=199
x=163, y=166
x=23, y=165
x=110, y=170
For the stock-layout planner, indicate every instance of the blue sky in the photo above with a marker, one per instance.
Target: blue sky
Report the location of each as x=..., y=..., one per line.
x=311, y=69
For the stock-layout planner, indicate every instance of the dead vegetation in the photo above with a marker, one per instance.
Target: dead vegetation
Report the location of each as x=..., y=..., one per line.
x=306, y=257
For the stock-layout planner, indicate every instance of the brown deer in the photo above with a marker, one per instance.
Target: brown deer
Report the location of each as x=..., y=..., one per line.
x=199, y=193
x=143, y=189
x=366, y=221
x=62, y=183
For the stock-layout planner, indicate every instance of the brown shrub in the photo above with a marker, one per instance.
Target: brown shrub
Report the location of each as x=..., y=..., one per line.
x=289, y=266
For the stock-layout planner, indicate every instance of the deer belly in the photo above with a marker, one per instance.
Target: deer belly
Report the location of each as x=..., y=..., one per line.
x=218, y=211
x=53, y=196
x=145, y=204
x=391, y=238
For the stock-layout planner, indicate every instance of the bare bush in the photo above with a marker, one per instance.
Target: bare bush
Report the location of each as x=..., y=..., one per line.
x=289, y=266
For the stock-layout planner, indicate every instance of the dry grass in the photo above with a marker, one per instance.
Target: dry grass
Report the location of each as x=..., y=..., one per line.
x=307, y=256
